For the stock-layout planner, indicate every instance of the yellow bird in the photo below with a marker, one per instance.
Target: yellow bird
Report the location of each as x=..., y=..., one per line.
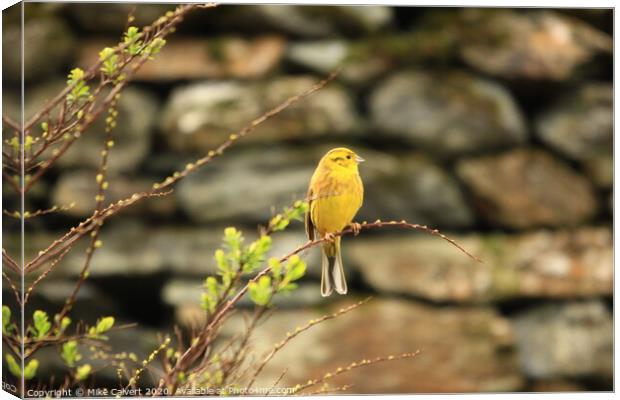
x=335, y=195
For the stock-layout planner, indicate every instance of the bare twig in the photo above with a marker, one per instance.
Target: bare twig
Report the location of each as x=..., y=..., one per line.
x=9, y=262
x=13, y=288
x=44, y=274
x=86, y=226
x=354, y=365
x=38, y=213
x=291, y=335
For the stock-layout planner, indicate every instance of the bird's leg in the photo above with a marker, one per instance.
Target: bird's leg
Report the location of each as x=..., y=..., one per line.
x=355, y=227
x=330, y=237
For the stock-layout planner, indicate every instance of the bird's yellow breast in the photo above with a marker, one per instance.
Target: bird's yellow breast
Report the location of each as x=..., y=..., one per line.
x=336, y=198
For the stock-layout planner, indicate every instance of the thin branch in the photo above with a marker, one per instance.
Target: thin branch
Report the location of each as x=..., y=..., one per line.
x=11, y=123
x=44, y=274
x=11, y=180
x=290, y=336
x=38, y=213
x=13, y=288
x=354, y=365
x=92, y=247
x=94, y=69
x=35, y=344
x=246, y=130
x=9, y=262
x=189, y=354
x=326, y=389
x=86, y=226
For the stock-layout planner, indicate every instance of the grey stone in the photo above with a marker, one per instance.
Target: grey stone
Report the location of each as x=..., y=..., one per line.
x=214, y=58
x=48, y=48
x=525, y=188
x=359, y=64
x=580, y=126
x=131, y=248
x=131, y=136
x=449, y=339
x=572, y=339
x=79, y=187
x=112, y=18
x=448, y=114
x=532, y=45
x=396, y=187
x=199, y=117
x=601, y=171
x=559, y=265
x=321, y=56
x=306, y=21
x=184, y=295
x=414, y=188
x=263, y=180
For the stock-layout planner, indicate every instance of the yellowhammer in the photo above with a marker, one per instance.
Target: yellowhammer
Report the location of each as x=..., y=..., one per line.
x=335, y=194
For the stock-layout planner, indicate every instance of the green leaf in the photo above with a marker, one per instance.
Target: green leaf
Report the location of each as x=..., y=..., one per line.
x=208, y=303
x=82, y=372
x=261, y=291
x=131, y=40
x=254, y=256
x=221, y=261
x=14, y=368
x=110, y=60
x=28, y=142
x=278, y=223
x=155, y=46
x=276, y=268
x=79, y=89
x=64, y=324
x=6, y=319
x=232, y=241
x=295, y=268
x=30, y=370
x=104, y=324
x=211, y=285
x=70, y=353
x=132, y=33
x=14, y=143
x=289, y=287
x=41, y=323
x=76, y=75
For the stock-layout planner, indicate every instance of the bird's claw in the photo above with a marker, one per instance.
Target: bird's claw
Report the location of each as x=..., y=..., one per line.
x=356, y=228
x=330, y=237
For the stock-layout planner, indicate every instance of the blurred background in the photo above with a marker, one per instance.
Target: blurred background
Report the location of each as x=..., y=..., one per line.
x=493, y=125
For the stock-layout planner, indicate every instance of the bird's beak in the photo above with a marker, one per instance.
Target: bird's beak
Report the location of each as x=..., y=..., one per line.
x=359, y=159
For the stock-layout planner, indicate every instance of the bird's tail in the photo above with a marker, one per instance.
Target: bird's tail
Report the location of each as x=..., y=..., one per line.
x=332, y=275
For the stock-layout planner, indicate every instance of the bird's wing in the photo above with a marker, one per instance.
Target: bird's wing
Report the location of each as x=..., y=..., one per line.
x=308, y=218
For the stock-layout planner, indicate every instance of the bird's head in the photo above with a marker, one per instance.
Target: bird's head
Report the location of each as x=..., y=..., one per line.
x=341, y=157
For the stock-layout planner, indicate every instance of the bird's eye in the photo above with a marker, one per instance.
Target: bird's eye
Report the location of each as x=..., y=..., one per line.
x=348, y=157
